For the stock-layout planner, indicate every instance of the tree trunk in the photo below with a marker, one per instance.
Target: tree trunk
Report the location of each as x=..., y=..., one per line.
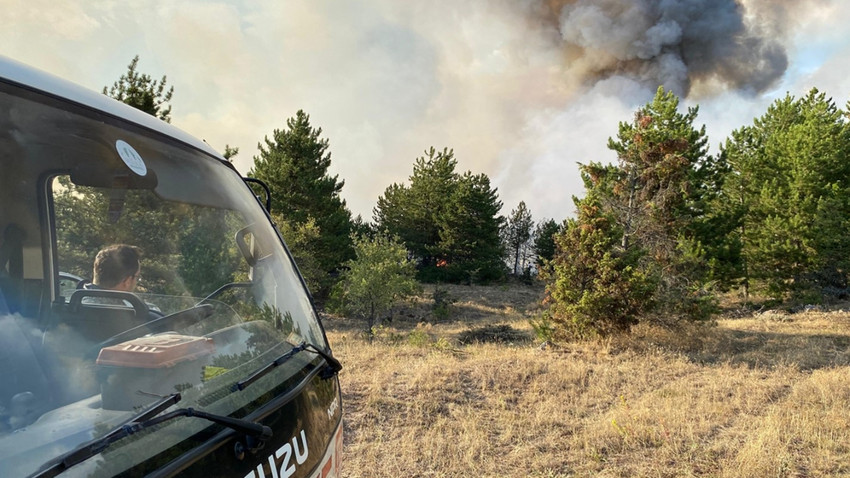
x=371, y=324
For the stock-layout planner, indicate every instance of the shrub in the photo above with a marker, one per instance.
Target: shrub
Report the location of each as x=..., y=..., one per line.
x=376, y=280
x=499, y=334
x=442, y=303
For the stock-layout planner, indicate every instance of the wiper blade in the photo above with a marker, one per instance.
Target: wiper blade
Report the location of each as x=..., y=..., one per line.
x=147, y=419
x=92, y=448
x=334, y=365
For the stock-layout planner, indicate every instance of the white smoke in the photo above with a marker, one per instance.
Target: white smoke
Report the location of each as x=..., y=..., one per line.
x=520, y=89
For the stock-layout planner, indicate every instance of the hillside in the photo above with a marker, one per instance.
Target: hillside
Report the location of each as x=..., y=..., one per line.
x=473, y=394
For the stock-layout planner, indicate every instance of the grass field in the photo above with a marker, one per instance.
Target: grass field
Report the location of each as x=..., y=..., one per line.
x=474, y=394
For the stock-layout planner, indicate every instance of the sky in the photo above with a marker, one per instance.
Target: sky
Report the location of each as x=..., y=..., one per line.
x=521, y=90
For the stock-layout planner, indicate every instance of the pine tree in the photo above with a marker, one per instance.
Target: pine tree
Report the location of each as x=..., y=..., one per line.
x=411, y=212
x=517, y=237
x=294, y=164
x=659, y=154
x=449, y=222
x=595, y=285
x=544, y=241
x=658, y=193
x=633, y=252
x=791, y=182
x=469, y=232
x=142, y=92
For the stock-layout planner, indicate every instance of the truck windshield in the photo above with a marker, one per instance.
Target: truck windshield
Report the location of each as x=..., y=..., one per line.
x=214, y=295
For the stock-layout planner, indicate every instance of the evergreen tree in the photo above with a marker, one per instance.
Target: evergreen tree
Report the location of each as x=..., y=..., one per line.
x=361, y=228
x=595, y=285
x=230, y=152
x=294, y=164
x=634, y=251
x=740, y=193
x=142, y=92
x=544, y=241
x=659, y=154
x=449, y=222
x=659, y=194
x=302, y=240
x=469, y=232
x=517, y=237
x=792, y=185
x=411, y=212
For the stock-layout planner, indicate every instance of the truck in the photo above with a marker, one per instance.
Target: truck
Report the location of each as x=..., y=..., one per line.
x=215, y=364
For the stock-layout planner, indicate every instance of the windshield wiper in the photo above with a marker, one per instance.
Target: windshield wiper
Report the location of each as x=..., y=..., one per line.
x=333, y=367
x=148, y=418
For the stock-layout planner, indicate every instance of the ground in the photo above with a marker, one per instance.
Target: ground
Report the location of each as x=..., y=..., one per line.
x=470, y=391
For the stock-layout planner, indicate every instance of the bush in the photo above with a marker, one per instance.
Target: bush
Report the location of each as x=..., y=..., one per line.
x=543, y=326
x=442, y=303
x=498, y=334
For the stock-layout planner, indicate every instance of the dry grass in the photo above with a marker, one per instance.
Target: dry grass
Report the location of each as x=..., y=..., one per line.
x=763, y=395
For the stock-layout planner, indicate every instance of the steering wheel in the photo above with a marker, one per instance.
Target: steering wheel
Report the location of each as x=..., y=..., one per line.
x=178, y=320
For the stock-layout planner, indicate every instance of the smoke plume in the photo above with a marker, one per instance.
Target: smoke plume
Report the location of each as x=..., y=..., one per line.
x=674, y=43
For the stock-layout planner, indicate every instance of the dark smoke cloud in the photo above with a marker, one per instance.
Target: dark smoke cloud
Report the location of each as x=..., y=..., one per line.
x=674, y=43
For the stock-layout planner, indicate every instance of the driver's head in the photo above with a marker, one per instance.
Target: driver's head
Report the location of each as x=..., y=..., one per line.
x=117, y=267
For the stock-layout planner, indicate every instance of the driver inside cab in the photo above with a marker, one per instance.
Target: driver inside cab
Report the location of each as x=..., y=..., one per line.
x=117, y=267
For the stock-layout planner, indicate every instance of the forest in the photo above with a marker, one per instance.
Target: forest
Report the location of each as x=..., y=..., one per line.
x=658, y=235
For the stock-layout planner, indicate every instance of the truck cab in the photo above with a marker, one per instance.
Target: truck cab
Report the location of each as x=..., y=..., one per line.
x=215, y=364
